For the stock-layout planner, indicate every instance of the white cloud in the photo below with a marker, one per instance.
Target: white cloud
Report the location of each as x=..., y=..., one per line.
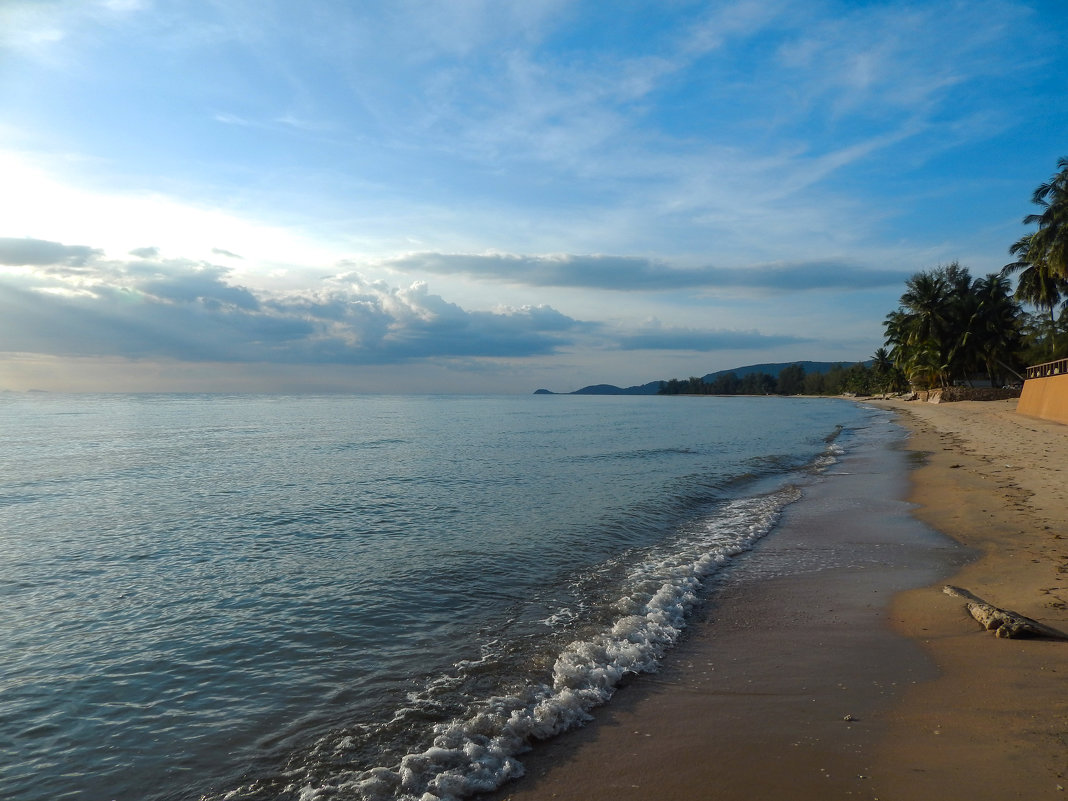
x=196, y=311
x=736, y=147
x=154, y=308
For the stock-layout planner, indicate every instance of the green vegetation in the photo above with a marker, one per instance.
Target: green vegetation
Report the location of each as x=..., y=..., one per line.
x=1046, y=249
x=1041, y=267
x=792, y=380
x=950, y=328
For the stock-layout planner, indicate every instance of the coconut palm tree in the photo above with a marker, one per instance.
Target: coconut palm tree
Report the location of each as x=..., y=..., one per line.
x=1048, y=245
x=993, y=334
x=921, y=338
x=888, y=377
x=1037, y=285
x=948, y=326
x=926, y=303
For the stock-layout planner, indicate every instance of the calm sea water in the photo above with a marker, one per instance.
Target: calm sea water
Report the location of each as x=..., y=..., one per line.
x=256, y=597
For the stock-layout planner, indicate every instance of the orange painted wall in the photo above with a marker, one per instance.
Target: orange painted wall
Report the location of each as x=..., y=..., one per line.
x=1046, y=398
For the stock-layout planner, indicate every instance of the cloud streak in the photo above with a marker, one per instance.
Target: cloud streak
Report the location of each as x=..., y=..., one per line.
x=635, y=273
x=676, y=339
x=42, y=253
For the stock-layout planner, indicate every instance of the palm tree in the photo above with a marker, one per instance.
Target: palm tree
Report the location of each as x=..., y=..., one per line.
x=948, y=326
x=1036, y=284
x=1048, y=245
x=926, y=303
x=887, y=375
x=993, y=334
x=921, y=331
x=881, y=362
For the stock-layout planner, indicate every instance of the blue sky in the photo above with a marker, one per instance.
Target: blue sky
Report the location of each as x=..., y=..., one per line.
x=495, y=196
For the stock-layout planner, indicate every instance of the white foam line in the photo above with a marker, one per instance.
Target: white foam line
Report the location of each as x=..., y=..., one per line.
x=478, y=754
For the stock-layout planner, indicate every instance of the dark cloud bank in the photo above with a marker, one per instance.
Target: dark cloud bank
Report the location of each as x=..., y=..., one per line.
x=632, y=273
x=42, y=253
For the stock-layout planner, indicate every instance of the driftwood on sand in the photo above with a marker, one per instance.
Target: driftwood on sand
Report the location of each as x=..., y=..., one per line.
x=1003, y=622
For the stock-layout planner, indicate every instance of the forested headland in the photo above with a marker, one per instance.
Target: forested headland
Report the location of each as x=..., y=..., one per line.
x=792, y=380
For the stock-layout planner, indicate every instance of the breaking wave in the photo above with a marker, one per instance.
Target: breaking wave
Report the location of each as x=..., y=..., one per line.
x=477, y=750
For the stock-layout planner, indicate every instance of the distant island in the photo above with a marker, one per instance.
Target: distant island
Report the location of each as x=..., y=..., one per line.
x=807, y=377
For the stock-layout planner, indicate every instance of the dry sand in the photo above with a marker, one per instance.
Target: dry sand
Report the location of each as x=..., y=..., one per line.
x=994, y=725
x=819, y=674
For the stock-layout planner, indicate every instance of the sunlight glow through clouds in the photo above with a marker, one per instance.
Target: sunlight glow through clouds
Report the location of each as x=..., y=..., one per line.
x=120, y=224
x=471, y=188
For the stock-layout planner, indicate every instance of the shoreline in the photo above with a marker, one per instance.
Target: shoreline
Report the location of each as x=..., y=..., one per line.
x=861, y=679
x=994, y=724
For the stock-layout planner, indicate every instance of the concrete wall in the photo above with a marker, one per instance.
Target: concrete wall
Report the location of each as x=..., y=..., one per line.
x=1046, y=398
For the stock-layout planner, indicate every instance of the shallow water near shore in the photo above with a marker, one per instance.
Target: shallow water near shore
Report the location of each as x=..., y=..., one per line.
x=786, y=679
x=255, y=597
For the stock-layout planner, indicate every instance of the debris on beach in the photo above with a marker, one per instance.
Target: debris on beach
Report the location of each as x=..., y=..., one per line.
x=1003, y=622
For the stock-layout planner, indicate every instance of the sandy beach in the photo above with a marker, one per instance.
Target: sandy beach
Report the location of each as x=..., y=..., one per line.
x=994, y=724
x=822, y=672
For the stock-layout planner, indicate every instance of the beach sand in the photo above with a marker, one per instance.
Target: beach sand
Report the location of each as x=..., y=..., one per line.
x=820, y=672
x=994, y=724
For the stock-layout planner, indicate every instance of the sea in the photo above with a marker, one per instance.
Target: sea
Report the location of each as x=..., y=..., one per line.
x=253, y=597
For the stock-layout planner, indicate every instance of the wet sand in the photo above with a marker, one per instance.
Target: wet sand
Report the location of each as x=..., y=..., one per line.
x=994, y=725
x=819, y=672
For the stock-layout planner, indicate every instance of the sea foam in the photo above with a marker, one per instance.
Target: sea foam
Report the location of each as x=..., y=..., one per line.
x=478, y=752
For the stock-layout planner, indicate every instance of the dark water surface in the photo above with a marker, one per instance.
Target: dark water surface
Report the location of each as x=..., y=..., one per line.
x=259, y=597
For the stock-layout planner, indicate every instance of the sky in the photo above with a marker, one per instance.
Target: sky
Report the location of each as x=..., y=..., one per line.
x=491, y=196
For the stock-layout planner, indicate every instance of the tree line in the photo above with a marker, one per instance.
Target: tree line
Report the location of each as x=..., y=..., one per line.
x=951, y=328
x=860, y=379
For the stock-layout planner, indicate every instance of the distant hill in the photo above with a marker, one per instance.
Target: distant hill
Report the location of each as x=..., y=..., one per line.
x=775, y=369
x=654, y=386
x=608, y=389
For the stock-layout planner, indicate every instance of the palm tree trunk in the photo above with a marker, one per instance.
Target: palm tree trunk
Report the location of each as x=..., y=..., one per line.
x=1006, y=367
